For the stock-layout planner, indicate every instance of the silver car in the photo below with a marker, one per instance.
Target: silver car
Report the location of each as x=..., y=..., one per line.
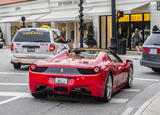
x=32, y=44
x=151, y=52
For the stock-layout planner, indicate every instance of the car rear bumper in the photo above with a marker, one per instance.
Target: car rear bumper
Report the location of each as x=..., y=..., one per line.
x=24, y=61
x=93, y=85
x=150, y=64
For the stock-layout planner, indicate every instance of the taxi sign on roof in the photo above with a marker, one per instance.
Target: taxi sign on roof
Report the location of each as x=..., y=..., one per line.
x=45, y=26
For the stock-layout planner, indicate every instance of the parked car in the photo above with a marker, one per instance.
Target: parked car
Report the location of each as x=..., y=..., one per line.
x=151, y=52
x=32, y=44
x=1, y=42
x=94, y=72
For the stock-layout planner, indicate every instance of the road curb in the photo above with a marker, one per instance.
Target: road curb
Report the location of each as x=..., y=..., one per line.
x=146, y=104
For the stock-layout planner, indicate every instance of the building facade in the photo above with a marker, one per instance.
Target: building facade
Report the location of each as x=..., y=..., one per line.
x=63, y=14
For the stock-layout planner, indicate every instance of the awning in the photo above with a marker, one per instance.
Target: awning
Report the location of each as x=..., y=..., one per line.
x=61, y=16
x=34, y=18
x=129, y=7
x=106, y=10
x=98, y=11
x=10, y=19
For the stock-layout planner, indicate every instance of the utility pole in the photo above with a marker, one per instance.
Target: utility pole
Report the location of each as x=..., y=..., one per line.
x=113, y=45
x=81, y=23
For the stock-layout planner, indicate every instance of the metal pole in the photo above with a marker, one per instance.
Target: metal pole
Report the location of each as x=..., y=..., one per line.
x=23, y=24
x=113, y=45
x=113, y=18
x=81, y=23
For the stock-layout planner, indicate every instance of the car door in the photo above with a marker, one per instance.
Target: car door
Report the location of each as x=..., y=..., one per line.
x=117, y=68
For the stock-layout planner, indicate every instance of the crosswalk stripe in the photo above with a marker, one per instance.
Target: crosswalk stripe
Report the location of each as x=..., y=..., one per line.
x=143, y=79
x=117, y=100
x=28, y=95
x=9, y=100
x=131, y=90
x=12, y=73
x=15, y=94
x=14, y=84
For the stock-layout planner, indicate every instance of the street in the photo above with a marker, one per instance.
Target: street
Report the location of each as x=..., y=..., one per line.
x=15, y=96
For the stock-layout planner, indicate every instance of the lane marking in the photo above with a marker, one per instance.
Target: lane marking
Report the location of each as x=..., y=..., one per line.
x=127, y=111
x=13, y=73
x=132, y=90
x=9, y=100
x=143, y=79
x=15, y=84
x=15, y=94
x=117, y=100
x=28, y=95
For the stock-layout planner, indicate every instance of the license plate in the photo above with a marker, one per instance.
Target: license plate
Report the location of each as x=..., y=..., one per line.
x=30, y=49
x=153, y=51
x=61, y=81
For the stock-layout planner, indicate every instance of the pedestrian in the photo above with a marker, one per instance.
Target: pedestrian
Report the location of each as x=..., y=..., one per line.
x=136, y=38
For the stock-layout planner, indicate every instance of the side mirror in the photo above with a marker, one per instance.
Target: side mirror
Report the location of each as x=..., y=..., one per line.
x=127, y=61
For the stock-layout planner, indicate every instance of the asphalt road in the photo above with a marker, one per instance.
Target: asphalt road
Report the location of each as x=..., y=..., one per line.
x=15, y=97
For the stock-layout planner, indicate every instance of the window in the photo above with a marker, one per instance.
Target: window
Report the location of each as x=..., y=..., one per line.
x=113, y=57
x=32, y=36
x=153, y=39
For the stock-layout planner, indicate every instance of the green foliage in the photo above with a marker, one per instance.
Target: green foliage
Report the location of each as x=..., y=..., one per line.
x=155, y=28
x=90, y=38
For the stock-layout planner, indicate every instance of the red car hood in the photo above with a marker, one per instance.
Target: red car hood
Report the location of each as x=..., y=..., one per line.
x=68, y=62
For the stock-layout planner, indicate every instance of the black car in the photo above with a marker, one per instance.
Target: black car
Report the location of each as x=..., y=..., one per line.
x=151, y=52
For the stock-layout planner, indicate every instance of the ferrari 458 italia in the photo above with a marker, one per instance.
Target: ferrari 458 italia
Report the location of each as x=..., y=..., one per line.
x=95, y=72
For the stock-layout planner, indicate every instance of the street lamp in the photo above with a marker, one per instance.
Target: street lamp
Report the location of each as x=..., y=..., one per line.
x=81, y=23
x=113, y=45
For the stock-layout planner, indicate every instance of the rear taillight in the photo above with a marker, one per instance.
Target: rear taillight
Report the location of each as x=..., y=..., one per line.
x=146, y=50
x=158, y=51
x=96, y=69
x=11, y=47
x=32, y=67
x=52, y=47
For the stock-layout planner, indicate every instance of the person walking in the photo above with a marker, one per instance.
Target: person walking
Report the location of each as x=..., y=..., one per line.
x=136, y=37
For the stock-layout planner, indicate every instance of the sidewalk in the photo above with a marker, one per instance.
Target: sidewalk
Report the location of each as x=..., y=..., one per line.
x=153, y=108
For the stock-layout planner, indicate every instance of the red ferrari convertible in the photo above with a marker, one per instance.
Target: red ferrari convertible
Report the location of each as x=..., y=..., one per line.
x=94, y=72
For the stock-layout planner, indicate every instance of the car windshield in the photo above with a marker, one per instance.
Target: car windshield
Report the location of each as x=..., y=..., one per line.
x=32, y=36
x=85, y=54
x=153, y=39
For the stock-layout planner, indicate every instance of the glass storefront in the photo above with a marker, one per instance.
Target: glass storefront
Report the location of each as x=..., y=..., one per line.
x=125, y=28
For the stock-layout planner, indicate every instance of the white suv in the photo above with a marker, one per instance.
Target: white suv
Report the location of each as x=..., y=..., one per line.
x=32, y=44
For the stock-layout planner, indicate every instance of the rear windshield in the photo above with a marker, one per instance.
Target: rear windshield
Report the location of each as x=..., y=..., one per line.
x=32, y=36
x=153, y=39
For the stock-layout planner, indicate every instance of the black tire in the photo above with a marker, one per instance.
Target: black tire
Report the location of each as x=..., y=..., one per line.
x=1, y=46
x=156, y=70
x=39, y=95
x=107, y=91
x=130, y=78
x=17, y=66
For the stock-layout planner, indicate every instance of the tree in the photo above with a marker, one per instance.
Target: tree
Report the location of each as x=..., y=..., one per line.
x=90, y=38
x=155, y=28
